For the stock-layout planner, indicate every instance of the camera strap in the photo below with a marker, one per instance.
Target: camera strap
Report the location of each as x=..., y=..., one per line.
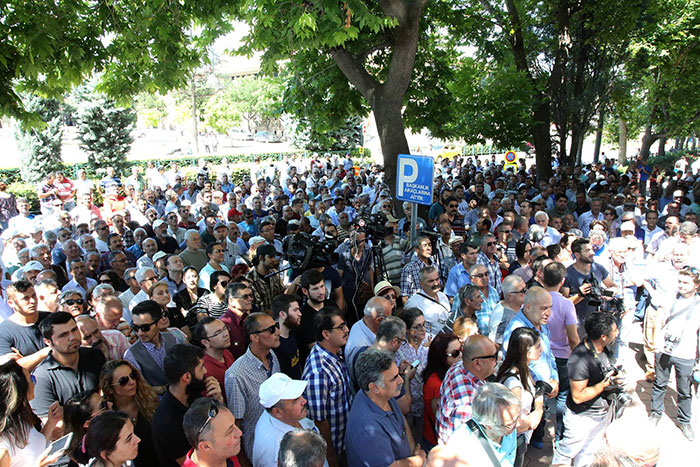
x=484, y=442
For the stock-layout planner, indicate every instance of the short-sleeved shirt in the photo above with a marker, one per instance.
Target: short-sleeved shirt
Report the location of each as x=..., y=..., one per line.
x=218, y=369
x=169, y=438
x=304, y=333
x=545, y=367
x=26, y=339
x=563, y=314
x=55, y=382
x=328, y=392
x=576, y=279
x=583, y=365
x=268, y=436
x=288, y=356
x=243, y=380
x=456, y=394
x=431, y=391
x=456, y=279
x=375, y=437
x=234, y=324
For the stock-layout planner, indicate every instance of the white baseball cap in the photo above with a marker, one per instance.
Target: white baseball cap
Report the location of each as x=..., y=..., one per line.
x=280, y=387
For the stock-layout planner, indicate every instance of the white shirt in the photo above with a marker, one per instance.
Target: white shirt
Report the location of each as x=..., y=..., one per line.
x=28, y=455
x=435, y=313
x=585, y=219
x=138, y=298
x=268, y=436
x=360, y=336
x=551, y=237
x=125, y=298
x=73, y=285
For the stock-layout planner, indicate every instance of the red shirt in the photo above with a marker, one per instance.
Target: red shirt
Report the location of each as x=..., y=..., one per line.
x=431, y=390
x=233, y=462
x=234, y=324
x=218, y=369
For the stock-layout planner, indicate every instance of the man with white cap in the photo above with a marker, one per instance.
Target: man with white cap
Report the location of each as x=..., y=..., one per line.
x=285, y=410
x=30, y=271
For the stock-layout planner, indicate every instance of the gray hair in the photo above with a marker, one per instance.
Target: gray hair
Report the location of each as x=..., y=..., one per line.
x=370, y=365
x=65, y=243
x=142, y=230
x=490, y=399
x=36, y=250
x=467, y=292
x=302, y=447
x=540, y=214
x=50, y=236
x=149, y=240
x=486, y=238
x=102, y=290
x=425, y=271
x=511, y=284
x=597, y=234
x=195, y=422
x=80, y=240
x=189, y=233
x=391, y=327
x=141, y=274
x=375, y=307
x=104, y=301
x=688, y=227
x=69, y=293
x=128, y=272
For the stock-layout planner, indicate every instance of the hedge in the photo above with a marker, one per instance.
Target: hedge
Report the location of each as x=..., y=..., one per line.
x=668, y=160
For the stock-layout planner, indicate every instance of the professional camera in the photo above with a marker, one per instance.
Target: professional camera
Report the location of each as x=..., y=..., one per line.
x=598, y=294
x=542, y=387
x=617, y=391
x=374, y=225
x=306, y=251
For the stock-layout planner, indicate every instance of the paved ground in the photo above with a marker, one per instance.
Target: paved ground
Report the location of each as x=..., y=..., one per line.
x=676, y=451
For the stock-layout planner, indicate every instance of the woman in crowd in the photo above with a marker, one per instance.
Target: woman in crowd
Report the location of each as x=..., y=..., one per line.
x=415, y=349
x=186, y=299
x=524, y=347
x=214, y=304
x=22, y=438
x=444, y=351
x=522, y=254
x=160, y=293
x=127, y=391
x=78, y=411
x=110, y=441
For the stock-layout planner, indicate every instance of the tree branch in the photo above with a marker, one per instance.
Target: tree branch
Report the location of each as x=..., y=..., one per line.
x=362, y=56
x=500, y=20
x=405, y=43
x=355, y=73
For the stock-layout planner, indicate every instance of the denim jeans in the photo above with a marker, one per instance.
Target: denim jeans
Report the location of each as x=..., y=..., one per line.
x=684, y=368
x=564, y=387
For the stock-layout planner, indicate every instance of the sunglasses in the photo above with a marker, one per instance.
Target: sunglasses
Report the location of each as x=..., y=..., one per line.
x=223, y=283
x=272, y=329
x=74, y=301
x=213, y=412
x=486, y=357
x=455, y=353
x=490, y=243
x=478, y=276
x=124, y=380
x=248, y=296
x=105, y=281
x=142, y=327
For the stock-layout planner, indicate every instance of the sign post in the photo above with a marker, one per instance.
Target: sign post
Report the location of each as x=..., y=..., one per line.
x=414, y=183
x=511, y=160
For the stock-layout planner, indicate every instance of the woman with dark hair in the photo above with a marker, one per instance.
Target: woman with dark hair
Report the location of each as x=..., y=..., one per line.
x=186, y=299
x=110, y=441
x=522, y=255
x=445, y=350
x=524, y=347
x=111, y=277
x=22, y=438
x=124, y=387
x=415, y=349
x=77, y=413
x=159, y=292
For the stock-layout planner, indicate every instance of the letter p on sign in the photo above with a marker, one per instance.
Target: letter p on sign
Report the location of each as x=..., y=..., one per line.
x=405, y=166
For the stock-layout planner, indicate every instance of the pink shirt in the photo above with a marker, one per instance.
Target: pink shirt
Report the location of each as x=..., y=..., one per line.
x=563, y=314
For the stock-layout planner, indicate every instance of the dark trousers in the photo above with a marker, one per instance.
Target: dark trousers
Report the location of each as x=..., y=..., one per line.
x=564, y=387
x=684, y=368
x=538, y=432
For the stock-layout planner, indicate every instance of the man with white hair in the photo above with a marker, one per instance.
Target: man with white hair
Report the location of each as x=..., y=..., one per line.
x=193, y=255
x=430, y=300
x=514, y=290
x=550, y=235
x=146, y=277
x=364, y=332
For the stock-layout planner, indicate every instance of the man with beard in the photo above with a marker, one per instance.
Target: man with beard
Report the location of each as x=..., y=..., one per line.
x=68, y=369
x=313, y=287
x=80, y=280
x=212, y=335
x=244, y=377
x=266, y=261
x=287, y=314
x=148, y=353
x=186, y=373
x=429, y=299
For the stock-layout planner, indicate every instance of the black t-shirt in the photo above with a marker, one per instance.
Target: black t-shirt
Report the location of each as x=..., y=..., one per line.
x=576, y=279
x=169, y=246
x=585, y=365
x=289, y=357
x=169, y=438
x=305, y=334
x=26, y=339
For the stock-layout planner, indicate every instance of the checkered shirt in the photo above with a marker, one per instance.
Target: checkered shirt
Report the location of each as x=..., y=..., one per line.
x=328, y=392
x=410, y=277
x=493, y=269
x=455, y=407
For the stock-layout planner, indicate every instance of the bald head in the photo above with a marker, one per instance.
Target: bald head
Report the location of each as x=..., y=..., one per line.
x=538, y=306
x=376, y=309
x=479, y=356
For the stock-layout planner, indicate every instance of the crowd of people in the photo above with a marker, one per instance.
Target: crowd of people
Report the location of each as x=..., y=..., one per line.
x=297, y=319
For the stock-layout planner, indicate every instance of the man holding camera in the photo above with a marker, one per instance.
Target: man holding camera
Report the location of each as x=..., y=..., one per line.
x=591, y=373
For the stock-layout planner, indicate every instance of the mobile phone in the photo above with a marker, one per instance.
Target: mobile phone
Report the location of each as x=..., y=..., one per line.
x=61, y=444
x=415, y=363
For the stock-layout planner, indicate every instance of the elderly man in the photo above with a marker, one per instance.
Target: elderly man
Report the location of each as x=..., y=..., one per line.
x=42, y=254
x=364, y=332
x=488, y=258
x=285, y=411
x=145, y=277
x=377, y=432
x=550, y=235
x=461, y=381
x=410, y=277
x=302, y=447
x=480, y=279
x=534, y=314
x=514, y=290
x=193, y=255
x=430, y=300
x=111, y=342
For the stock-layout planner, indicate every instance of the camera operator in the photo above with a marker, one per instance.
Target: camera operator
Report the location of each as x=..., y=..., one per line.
x=584, y=275
x=393, y=250
x=678, y=347
x=591, y=370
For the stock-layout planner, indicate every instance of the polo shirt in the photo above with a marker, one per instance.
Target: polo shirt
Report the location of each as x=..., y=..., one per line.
x=457, y=278
x=375, y=437
x=268, y=436
x=360, y=336
x=55, y=382
x=232, y=462
x=218, y=369
x=234, y=324
x=169, y=438
x=26, y=339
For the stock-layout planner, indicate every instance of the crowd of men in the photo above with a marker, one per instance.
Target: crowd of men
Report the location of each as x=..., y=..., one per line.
x=260, y=359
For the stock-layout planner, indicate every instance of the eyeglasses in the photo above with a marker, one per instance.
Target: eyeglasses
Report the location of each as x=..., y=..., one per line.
x=341, y=326
x=248, y=296
x=419, y=327
x=523, y=291
x=512, y=424
x=272, y=329
x=74, y=301
x=124, y=380
x=216, y=334
x=490, y=243
x=454, y=353
x=691, y=269
x=486, y=357
x=142, y=327
x=480, y=275
x=213, y=412
x=506, y=231
x=452, y=206
x=103, y=228
x=223, y=283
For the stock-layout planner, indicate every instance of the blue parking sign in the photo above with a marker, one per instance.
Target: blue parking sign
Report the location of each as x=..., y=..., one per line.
x=414, y=179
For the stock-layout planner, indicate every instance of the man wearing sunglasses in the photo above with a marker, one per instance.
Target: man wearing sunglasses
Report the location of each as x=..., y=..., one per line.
x=244, y=377
x=488, y=258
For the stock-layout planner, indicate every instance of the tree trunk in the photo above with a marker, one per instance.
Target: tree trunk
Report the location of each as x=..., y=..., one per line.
x=576, y=142
x=662, y=146
x=694, y=143
x=542, y=140
x=647, y=140
x=677, y=143
x=393, y=142
x=195, y=132
x=599, y=134
x=622, y=142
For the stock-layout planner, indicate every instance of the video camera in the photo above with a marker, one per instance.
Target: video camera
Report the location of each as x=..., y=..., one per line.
x=598, y=294
x=374, y=225
x=616, y=391
x=307, y=251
